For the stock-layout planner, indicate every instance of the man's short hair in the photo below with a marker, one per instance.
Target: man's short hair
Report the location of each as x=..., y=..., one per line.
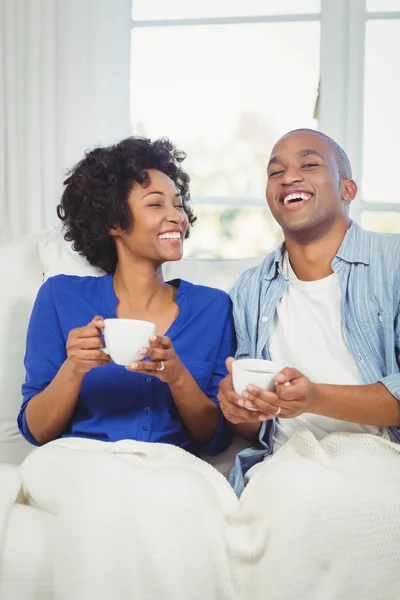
x=342, y=159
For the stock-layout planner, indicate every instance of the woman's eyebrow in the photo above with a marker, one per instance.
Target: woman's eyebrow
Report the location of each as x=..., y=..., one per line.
x=177, y=195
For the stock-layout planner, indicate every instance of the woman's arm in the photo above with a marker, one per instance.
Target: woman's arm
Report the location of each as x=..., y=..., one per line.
x=49, y=412
x=55, y=369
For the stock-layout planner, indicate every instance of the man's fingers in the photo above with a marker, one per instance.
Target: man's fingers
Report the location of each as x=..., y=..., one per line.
x=242, y=415
x=287, y=374
x=289, y=392
x=229, y=361
x=265, y=402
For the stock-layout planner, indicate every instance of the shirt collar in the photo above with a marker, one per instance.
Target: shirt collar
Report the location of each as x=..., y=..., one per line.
x=356, y=245
x=355, y=248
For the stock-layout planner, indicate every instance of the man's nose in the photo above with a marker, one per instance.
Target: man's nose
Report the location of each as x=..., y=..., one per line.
x=292, y=175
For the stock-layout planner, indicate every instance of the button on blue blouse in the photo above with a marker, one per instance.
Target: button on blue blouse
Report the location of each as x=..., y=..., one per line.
x=114, y=403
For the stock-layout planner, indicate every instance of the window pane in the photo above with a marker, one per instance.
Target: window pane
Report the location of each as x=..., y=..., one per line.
x=223, y=232
x=382, y=5
x=381, y=111
x=386, y=222
x=222, y=102
x=186, y=9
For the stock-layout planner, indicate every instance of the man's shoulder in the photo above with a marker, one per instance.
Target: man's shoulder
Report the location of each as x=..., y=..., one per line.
x=255, y=275
x=384, y=250
x=383, y=241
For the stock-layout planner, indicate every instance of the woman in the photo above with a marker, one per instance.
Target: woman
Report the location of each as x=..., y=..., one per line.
x=126, y=209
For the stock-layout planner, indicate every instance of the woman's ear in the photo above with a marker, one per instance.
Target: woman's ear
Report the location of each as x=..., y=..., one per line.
x=114, y=232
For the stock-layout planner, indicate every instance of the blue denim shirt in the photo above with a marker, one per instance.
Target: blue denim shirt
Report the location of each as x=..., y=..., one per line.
x=368, y=266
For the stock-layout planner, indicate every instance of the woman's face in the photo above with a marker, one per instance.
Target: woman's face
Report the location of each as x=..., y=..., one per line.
x=159, y=221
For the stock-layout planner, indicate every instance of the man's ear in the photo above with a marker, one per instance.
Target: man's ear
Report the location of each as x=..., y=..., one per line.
x=350, y=190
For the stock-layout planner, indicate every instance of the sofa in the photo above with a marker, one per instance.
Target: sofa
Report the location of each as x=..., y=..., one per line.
x=25, y=555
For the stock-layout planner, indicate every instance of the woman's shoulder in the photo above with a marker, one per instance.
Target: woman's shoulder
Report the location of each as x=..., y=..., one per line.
x=72, y=284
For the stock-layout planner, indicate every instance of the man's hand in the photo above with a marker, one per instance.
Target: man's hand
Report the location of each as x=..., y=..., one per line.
x=293, y=396
x=232, y=405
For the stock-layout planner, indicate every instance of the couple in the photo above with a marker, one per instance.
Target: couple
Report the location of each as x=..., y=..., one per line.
x=325, y=303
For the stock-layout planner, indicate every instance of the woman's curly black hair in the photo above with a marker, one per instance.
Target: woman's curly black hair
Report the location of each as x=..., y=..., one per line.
x=95, y=199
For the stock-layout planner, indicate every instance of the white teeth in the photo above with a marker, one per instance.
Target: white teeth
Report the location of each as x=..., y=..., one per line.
x=291, y=197
x=170, y=236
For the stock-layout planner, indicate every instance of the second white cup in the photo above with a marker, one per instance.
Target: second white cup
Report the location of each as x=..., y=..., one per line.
x=254, y=371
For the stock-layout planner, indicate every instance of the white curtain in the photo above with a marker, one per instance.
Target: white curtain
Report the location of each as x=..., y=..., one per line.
x=64, y=87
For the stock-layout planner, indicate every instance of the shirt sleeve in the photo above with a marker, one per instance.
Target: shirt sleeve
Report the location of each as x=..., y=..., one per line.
x=45, y=352
x=227, y=347
x=392, y=382
x=236, y=294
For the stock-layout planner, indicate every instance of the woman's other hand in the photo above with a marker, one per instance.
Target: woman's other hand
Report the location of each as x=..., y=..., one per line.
x=83, y=347
x=164, y=363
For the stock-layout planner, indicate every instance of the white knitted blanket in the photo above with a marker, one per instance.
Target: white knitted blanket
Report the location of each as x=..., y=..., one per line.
x=319, y=521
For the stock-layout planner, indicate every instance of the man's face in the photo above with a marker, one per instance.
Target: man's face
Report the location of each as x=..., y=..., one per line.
x=304, y=187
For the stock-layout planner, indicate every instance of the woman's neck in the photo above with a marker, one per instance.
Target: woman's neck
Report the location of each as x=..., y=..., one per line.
x=140, y=287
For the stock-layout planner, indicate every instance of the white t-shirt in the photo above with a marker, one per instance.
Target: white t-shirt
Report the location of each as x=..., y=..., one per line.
x=307, y=333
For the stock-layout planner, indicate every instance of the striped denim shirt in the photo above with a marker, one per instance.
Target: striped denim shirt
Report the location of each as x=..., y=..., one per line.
x=368, y=266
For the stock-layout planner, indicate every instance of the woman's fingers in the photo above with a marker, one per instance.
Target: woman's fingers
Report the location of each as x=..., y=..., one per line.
x=160, y=340
x=144, y=366
x=154, y=353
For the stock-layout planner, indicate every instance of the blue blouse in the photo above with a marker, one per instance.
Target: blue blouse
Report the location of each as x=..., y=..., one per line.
x=114, y=403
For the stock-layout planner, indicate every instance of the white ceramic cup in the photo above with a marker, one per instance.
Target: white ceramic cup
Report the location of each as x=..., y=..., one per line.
x=254, y=371
x=125, y=337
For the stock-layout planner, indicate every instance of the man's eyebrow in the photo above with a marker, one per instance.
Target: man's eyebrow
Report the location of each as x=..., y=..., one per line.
x=274, y=160
x=309, y=152
x=177, y=195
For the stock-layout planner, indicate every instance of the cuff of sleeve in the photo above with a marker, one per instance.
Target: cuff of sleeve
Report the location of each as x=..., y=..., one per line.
x=221, y=440
x=392, y=384
x=24, y=429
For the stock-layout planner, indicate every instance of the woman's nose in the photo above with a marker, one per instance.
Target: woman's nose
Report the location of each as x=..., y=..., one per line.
x=175, y=216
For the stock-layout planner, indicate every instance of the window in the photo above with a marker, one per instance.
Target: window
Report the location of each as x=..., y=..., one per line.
x=381, y=111
x=383, y=5
x=224, y=80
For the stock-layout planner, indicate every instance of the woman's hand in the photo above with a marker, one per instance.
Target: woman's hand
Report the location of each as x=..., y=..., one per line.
x=83, y=347
x=164, y=362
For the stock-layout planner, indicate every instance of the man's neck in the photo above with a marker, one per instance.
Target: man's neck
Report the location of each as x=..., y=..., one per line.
x=312, y=260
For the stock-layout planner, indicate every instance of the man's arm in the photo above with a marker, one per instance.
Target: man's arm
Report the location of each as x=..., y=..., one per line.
x=371, y=404
x=366, y=404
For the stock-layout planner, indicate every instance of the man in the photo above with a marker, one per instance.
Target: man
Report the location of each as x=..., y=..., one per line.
x=325, y=303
